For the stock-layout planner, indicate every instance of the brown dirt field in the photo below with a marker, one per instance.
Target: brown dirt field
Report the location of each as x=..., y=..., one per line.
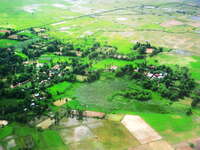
x=46, y=123
x=186, y=145
x=60, y=102
x=171, y=23
x=158, y=145
x=93, y=114
x=140, y=129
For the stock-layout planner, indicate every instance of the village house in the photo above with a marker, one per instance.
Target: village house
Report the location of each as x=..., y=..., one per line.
x=113, y=68
x=3, y=123
x=5, y=31
x=38, y=65
x=149, y=50
x=157, y=75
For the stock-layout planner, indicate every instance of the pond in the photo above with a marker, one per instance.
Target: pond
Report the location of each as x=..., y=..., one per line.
x=181, y=52
x=195, y=18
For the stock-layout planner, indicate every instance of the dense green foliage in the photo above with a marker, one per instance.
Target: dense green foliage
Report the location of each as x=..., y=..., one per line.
x=44, y=70
x=170, y=83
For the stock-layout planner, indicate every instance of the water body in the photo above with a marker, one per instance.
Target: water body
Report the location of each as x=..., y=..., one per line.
x=181, y=52
x=198, y=31
x=195, y=18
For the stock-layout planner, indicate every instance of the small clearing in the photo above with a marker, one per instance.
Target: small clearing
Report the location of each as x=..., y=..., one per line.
x=122, y=19
x=59, y=6
x=46, y=123
x=31, y=8
x=89, y=32
x=64, y=29
x=60, y=102
x=58, y=23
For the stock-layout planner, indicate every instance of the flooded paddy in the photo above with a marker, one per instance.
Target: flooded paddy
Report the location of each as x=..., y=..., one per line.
x=93, y=134
x=181, y=52
x=195, y=18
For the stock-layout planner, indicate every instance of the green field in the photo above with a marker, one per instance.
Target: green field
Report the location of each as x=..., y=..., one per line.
x=41, y=139
x=174, y=128
x=192, y=62
x=48, y=58
x=106, y=63
x=7, y=43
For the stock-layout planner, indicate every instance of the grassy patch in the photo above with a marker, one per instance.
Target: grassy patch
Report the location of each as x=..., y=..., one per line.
x=121, y=138
x=192, y=62
x=175, y=128
x=98, y=96
x=6, y=131
x=62, y=90
x=106, y=63
x=51, y=140
x=194, y=66
x=95, y=95
x=48, y=139
x=171, y=59
x=16, y=14
x=124, y=46
x=7, y=43
x=27, y=34
x=22, y=55
x=47, y=58
x=60, y=87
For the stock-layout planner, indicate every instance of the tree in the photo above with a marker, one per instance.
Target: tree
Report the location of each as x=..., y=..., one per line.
x=196, y=97
x=142, y=50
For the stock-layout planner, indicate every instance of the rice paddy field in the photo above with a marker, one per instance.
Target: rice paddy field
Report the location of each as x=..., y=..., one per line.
x=19, y=135
x=173, y=24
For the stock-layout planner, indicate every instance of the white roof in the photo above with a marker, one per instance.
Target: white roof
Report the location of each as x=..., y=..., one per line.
x=3, y=122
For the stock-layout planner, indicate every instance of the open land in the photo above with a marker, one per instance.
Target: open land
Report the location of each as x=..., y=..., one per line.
x=73, y=50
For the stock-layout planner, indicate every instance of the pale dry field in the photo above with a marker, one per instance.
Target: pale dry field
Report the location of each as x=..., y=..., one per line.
x=140, y=129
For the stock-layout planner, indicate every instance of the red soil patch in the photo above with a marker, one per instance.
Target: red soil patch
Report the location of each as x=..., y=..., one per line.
x=5, y=31
x=195, y=24
x=171, y=23
x=186, y=145
x=93, y=114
